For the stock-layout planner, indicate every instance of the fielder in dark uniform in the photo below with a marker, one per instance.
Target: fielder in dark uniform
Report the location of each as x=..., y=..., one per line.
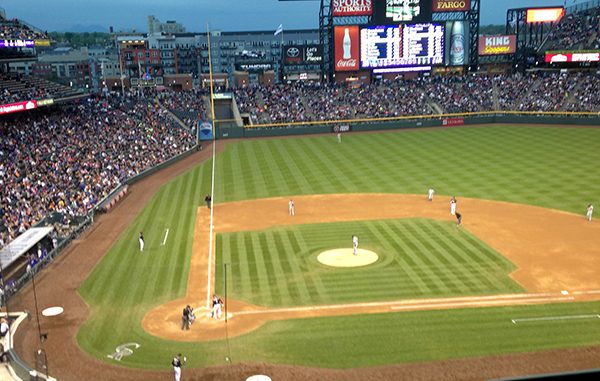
x=208, y=200
x=458, y=218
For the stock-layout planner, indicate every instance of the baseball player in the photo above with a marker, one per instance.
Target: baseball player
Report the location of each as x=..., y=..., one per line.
x=291, y=208
x=217, y=306
x=458, y=218
x=453, y=206
x=430, y=193
x=354, y=244
x=339, y=137
x=141, y=241
x=590, y=211
x=177, y=363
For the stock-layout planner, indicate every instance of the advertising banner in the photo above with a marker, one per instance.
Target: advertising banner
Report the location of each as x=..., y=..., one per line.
x=303, y=54
x=17, y=43
x=544, y=14
x=453, y=122
x=574, y=56
x=451, y=5
x=399, y=11
x=16, y=107
x=352, y=8
x=346, y=48
x=205, y=131
x=495, y=45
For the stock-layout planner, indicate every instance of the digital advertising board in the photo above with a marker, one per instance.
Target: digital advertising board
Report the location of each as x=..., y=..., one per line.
x=17, y=43
x=572, y=56
x=451, y=5
x=346, y=48
x=401, y=45
x=303, y=55
x=534, y=15
x=497, y=45
x=342, y=8
x=16, y=107
x=386, y=12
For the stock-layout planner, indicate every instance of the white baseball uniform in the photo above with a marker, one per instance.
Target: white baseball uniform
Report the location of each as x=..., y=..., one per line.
x=354, y=244
x=590, y=211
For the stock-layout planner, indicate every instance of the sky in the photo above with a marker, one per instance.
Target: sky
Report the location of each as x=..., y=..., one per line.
x=225, y=15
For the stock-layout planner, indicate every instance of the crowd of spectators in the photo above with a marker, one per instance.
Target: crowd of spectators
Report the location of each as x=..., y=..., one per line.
x=302, y=102
x=576, y=31
x=68, y=158
x=469, y=93
x=188, y=106
x=14, y=29
x=420, y=96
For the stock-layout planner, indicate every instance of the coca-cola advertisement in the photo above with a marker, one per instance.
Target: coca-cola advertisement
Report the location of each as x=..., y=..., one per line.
x=346, y=48
x=352, y=8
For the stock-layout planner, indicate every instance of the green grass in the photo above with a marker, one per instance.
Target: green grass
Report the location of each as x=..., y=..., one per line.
x=417, y=258
x=547, y=166
x=550, y=167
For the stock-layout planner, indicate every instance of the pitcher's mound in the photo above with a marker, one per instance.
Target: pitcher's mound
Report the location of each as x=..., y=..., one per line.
x=345, y=258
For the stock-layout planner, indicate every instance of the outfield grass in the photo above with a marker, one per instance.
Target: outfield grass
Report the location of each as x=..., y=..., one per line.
x=417, y=258
x=551, y=167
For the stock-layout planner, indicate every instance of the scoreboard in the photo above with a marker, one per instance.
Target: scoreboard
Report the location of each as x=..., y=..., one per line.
x=404, y=45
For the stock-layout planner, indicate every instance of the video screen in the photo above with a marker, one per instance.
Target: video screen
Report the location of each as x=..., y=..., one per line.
x=400, y=11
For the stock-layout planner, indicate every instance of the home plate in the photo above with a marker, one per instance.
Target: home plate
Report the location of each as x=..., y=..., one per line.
x=564, y=292
x=52, y=311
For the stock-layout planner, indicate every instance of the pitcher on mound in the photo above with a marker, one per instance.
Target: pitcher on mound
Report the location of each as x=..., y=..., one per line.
x=354, y=244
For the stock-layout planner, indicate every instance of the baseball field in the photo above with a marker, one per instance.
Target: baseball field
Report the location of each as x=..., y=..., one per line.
x=521, y=274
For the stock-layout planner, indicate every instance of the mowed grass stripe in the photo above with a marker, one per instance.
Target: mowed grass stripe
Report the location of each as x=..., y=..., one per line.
x=436, y=244
x=413, y=282
x=463, y=261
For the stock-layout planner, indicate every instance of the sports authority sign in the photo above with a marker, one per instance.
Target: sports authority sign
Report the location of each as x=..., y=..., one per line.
x=451, y=5
x=494, y=45
x=346, y=48
x=352, y=8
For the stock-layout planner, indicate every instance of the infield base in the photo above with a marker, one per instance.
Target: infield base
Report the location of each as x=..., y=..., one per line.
x=345, y=258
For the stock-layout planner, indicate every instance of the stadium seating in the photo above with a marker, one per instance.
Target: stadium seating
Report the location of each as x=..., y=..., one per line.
x=577, y=31
x=65, y=159
x=18, y=88
x=14, y=29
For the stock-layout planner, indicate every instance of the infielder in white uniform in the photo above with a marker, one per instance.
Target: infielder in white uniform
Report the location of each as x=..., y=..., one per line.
x=291, y=208
x=177, y=363
x=590, y=211
x=430, y=193
x=453, y=206
x=354, y=244
x=141, y=241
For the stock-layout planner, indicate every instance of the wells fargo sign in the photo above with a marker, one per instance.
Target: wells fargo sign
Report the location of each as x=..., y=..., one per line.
x=494, y=45
x=451, y=5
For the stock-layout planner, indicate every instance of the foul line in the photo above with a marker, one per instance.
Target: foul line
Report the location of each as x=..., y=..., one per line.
x=549, y=318
x=165, y=239
x=423, y=303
